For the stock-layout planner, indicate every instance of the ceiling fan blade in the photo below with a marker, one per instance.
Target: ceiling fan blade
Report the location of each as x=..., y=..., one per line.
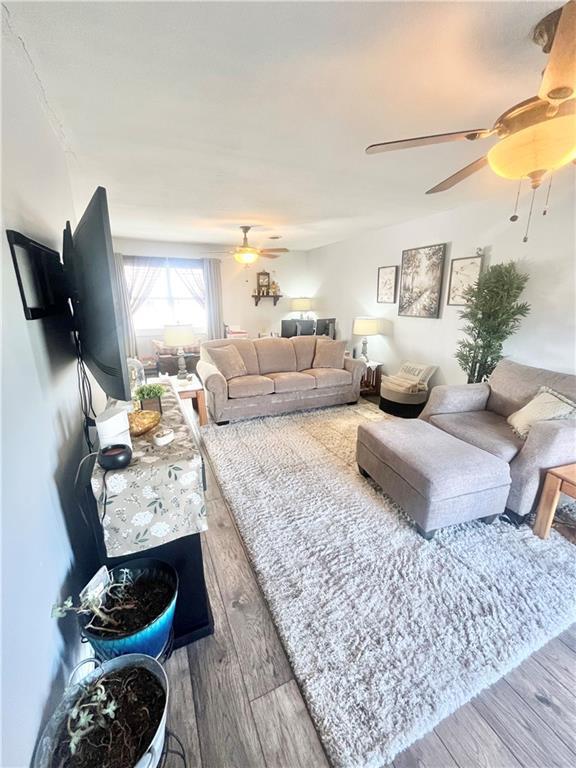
x=274, y=250
x=422, y=141
x=459, y=176
x=559, y=79
x=269, y=255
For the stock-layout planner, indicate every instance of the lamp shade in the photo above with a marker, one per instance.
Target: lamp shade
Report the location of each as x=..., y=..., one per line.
x=179, y=335
x=368, y=326
x=246, y=255
x=301, y=305
x=537, y=149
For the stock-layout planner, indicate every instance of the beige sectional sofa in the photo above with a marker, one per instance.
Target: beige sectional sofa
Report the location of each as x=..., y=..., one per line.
x=276, y=375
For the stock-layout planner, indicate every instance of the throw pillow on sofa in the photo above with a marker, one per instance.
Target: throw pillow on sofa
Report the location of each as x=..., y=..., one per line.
x=545, y=406
x=329, y=353
x=228, y=361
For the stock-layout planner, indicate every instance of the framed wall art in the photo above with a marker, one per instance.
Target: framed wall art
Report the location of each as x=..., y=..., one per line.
x=463, y=273
x=386, y=288
x=421, y=281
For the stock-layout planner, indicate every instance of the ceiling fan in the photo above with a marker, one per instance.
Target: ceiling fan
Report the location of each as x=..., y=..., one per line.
x=536, y=136
x=247, y=254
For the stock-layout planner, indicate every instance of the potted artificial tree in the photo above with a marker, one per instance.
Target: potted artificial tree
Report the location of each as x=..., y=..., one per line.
x=492, y=314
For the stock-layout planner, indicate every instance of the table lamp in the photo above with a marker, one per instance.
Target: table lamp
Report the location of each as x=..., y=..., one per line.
x=301, y=305
x=180, y=336
x=369, y=326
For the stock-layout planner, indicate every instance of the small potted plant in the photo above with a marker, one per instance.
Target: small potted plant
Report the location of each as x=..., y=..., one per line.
x=150, y=397
x=114, y=717
x=129, y=609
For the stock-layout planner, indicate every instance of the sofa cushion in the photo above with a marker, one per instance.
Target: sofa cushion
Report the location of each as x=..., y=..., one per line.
x=434, y=463
x=329, y=353
x=304, y=347
x=512, y=385
x=275, y=355
x=244, y=346
x=548, y=405
x=250, y=386
x=229, y=362
x=483, y=429
x=292, y=381
x=330, y=377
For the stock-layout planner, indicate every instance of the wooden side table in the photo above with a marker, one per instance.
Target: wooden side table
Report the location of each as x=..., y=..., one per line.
x=192, y=389
x=558, y=480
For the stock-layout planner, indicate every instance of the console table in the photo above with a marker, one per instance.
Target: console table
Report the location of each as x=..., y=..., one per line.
x=156, y=505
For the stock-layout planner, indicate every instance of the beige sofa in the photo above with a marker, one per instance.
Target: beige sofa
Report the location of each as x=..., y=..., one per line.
x=280, y=377
x=477, y=413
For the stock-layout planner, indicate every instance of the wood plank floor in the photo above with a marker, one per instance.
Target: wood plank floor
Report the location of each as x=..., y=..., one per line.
x=235, y=703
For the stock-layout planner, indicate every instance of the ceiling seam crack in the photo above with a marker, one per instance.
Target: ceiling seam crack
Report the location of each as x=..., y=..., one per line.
x=53, y=118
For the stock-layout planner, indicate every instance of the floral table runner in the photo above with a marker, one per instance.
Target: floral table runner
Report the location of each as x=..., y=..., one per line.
x=159, y=496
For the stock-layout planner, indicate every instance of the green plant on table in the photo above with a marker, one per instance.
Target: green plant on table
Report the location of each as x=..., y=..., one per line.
x=148, y=391
x=492, y=314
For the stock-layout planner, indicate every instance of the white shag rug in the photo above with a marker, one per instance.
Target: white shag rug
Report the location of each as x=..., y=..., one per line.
x=387, y=633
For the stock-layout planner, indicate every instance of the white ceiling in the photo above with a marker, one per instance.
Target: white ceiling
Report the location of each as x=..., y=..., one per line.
x=199, y=117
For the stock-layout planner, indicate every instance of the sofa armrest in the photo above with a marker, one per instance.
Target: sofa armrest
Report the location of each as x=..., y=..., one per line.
x=357, y=368
x=212, y=379
x=549, y=444
x=457, y=398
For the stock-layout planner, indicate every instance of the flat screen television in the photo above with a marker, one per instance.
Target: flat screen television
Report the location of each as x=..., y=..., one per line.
x=90, y=265
x=326, y=326
x=291, y=328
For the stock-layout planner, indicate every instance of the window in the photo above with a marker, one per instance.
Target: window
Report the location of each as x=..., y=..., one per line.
x=165, y=292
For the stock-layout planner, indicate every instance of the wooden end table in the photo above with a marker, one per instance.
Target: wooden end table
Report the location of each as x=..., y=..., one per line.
x=192, y=389
x=558, y=480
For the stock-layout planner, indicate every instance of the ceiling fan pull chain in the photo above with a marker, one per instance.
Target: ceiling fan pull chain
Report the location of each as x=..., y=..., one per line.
x=525, y=239
x=514, y=216
x=545, y=211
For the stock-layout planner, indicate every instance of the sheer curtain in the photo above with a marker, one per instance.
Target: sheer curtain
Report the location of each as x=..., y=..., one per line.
x=193, y=279
x=126, y=310
x=140, y=274
x=213, y=285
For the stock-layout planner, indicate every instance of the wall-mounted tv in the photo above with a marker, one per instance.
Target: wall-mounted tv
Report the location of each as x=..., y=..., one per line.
x=90, y=280
x=90, y=262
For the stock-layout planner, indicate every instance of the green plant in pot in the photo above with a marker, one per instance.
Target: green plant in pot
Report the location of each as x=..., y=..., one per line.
x=493, y=313
x=150, y=397
x=114, y=717
x=128, y=609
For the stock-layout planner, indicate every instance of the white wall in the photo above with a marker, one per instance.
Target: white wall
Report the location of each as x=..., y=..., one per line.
x=344, y=275
x=289, y=270
x=40, y=426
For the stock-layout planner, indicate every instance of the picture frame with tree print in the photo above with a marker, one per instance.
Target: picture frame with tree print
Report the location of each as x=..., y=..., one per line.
x=421, y=281
x=463, y=273
x=387, y=283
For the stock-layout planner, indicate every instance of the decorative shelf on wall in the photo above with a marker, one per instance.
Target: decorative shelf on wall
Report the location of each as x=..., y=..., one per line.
x=275, y=298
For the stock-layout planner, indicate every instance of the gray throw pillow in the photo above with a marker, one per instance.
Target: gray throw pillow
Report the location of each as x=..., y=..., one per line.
x=329, y=353
x=228, y=361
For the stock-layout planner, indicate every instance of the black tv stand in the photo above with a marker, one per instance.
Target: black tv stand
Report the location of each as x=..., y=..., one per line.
x=193, y=617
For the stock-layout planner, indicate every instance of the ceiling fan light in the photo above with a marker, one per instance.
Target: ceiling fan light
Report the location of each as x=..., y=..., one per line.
x=540, y=148
x=246, y=255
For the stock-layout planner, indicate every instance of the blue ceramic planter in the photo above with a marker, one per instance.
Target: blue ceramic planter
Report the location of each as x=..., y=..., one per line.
x=152, y=638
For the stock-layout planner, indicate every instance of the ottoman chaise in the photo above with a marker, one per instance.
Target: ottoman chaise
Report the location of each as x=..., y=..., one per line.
x=436, y=478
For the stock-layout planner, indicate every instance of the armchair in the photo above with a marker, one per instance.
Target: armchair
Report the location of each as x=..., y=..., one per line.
x=477, y=413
